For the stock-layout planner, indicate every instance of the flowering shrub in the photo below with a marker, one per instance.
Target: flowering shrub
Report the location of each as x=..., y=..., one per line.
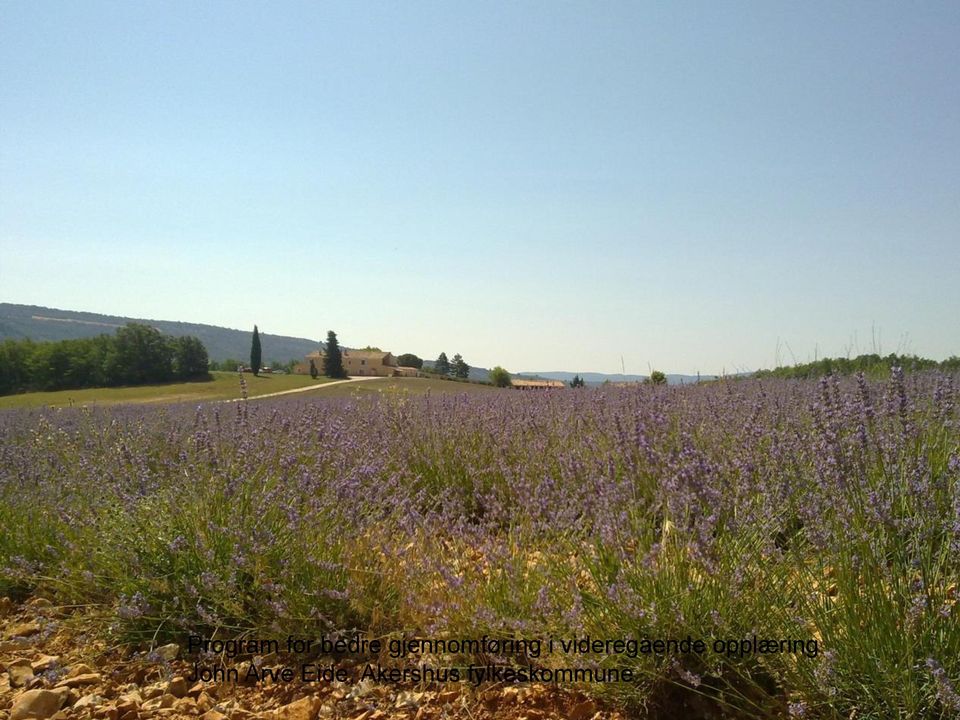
x=826, y=513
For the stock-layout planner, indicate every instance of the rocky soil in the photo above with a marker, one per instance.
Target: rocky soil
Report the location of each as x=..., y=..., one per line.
x=51, y=668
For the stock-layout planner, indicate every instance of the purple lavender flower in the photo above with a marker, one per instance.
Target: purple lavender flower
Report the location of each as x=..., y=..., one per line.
x=946, y=692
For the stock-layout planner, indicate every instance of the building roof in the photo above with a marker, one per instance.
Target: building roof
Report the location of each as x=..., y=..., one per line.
x=362, y=354
x=365, y=353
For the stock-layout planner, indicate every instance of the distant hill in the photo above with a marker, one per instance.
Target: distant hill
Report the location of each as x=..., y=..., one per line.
x=593, y=378
x=590, y=378
x=42, y=324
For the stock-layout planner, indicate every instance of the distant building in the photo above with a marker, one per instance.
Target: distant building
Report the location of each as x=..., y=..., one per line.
x=538, y=384
x=361, y=363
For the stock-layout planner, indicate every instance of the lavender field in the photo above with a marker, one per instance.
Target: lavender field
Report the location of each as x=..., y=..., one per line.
x=826, y=512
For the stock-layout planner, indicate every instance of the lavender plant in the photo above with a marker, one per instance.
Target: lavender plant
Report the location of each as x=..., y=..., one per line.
x=823, y=512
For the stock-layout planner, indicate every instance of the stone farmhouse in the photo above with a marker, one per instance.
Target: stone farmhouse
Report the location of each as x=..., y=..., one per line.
x=538, y=384
x=361, y=363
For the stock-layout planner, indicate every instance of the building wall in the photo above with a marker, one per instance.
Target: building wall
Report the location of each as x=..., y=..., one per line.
x=355, y=365
x=365, y=366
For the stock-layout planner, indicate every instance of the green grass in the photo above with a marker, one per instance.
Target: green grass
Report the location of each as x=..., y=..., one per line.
x=401, y=386
x=226, y=386
x=223, y=386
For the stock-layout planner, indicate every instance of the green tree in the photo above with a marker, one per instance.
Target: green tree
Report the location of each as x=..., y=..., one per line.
x=80, y=362
x=657, y=378
x=459, y=367
x=313, y=369
x=442, y=365
x=190, y=360
x=15, y=366
x=576, y=382
x=500, y=377
x=140, y=355
x=136, y=355
x=333, y=358
x=409, y=360
x=255, y=352
x=43, y=367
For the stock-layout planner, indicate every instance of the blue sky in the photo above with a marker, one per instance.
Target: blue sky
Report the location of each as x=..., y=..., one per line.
x=539, y=185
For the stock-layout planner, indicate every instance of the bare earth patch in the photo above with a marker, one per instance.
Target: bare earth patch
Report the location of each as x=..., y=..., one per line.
x=51, y=668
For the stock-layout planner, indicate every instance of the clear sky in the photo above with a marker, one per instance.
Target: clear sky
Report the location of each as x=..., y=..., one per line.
x=539, y=185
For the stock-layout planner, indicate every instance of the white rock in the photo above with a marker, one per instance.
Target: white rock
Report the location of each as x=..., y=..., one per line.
x=408, y=699
x=152, y=691
x=168, y=652
x=36, y=705
x=177, y=687
x=20, y=675
x=364, y=687
x=91, y=700
x=80, y=669
x=45, y=663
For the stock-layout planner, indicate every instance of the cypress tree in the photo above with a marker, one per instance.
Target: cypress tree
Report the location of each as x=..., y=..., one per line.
x=332, y=358
x=255, y=354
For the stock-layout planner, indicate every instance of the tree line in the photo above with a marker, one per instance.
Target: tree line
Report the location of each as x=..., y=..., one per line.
x=457, y=367
x=871, y=365
x=136, y=355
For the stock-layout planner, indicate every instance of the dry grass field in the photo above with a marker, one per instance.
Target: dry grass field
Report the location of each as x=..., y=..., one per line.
x=226, y=386
x=222, y=386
